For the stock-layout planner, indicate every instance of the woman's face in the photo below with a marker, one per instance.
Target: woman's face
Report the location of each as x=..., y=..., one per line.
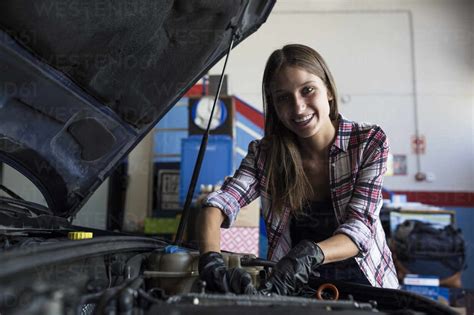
x=301, y=101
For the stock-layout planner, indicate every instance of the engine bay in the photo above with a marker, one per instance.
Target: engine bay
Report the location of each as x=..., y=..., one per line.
x=138, y=275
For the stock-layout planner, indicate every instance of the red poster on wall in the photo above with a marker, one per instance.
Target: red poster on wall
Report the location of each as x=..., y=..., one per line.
x=418, y=144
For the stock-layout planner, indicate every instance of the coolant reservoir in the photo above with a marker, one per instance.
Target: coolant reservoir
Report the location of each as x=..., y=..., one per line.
x=173, y=272
x=177, y=272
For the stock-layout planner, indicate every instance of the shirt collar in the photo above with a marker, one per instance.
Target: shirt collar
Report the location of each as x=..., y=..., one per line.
x=343, y=135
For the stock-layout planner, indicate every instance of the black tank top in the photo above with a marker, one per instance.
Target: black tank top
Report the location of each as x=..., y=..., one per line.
x=317, y=222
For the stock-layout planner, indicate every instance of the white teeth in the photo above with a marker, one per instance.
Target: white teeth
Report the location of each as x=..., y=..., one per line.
x=298, y=120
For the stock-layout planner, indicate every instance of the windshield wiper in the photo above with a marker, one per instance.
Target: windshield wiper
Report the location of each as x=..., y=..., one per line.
x=18, y=201
x=10, y=192
x=27, y=205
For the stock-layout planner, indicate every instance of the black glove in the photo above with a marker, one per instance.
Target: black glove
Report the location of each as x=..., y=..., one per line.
x=240, y=281
x=293, y=270
x=218, y=278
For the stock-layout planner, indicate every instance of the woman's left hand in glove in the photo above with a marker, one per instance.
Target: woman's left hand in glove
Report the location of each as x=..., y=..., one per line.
x=293, y=270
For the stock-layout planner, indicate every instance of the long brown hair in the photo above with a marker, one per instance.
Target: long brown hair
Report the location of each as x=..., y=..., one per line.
x=287, y=181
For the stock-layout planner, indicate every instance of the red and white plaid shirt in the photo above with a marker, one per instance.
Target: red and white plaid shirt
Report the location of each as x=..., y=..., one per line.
x=357, y=163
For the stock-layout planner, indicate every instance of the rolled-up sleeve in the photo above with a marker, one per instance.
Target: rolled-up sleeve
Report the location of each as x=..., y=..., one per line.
x=238, y=190
x=363, y=209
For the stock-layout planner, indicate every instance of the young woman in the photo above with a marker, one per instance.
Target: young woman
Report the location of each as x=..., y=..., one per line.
x=319, y=177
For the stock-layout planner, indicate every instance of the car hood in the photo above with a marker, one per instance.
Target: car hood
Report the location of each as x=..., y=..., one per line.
x=83, y=81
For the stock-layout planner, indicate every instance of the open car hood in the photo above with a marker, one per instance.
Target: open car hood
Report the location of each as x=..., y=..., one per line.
x=83, y=81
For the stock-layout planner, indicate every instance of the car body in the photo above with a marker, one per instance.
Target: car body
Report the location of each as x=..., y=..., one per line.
x=83, y=82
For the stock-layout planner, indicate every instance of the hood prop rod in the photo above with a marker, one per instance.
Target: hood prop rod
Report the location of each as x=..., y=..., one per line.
x=202, y=150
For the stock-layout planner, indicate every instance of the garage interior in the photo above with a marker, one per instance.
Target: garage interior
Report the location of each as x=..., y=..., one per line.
x=406, y=65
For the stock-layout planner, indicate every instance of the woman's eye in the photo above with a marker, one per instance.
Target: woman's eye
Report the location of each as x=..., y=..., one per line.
x=307, y=89
x=281, y=98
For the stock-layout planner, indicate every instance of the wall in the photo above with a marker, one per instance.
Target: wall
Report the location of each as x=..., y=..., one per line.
x=94, y=212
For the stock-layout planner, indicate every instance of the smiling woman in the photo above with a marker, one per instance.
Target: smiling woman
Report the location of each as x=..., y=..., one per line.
x=296, y=86
x=320, y=178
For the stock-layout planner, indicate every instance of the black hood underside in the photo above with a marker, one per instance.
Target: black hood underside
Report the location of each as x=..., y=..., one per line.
x=83, y=81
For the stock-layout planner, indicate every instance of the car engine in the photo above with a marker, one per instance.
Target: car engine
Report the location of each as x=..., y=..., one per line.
x=138, y=275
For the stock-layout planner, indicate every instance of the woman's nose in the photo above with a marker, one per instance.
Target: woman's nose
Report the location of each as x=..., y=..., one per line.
x=299, y=103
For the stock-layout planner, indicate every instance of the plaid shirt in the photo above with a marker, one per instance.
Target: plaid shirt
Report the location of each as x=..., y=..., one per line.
x=357, y=163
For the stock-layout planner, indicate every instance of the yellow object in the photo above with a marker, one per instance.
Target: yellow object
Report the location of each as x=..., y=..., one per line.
x=79, y=235
x=390, y=167
x=161, y=225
